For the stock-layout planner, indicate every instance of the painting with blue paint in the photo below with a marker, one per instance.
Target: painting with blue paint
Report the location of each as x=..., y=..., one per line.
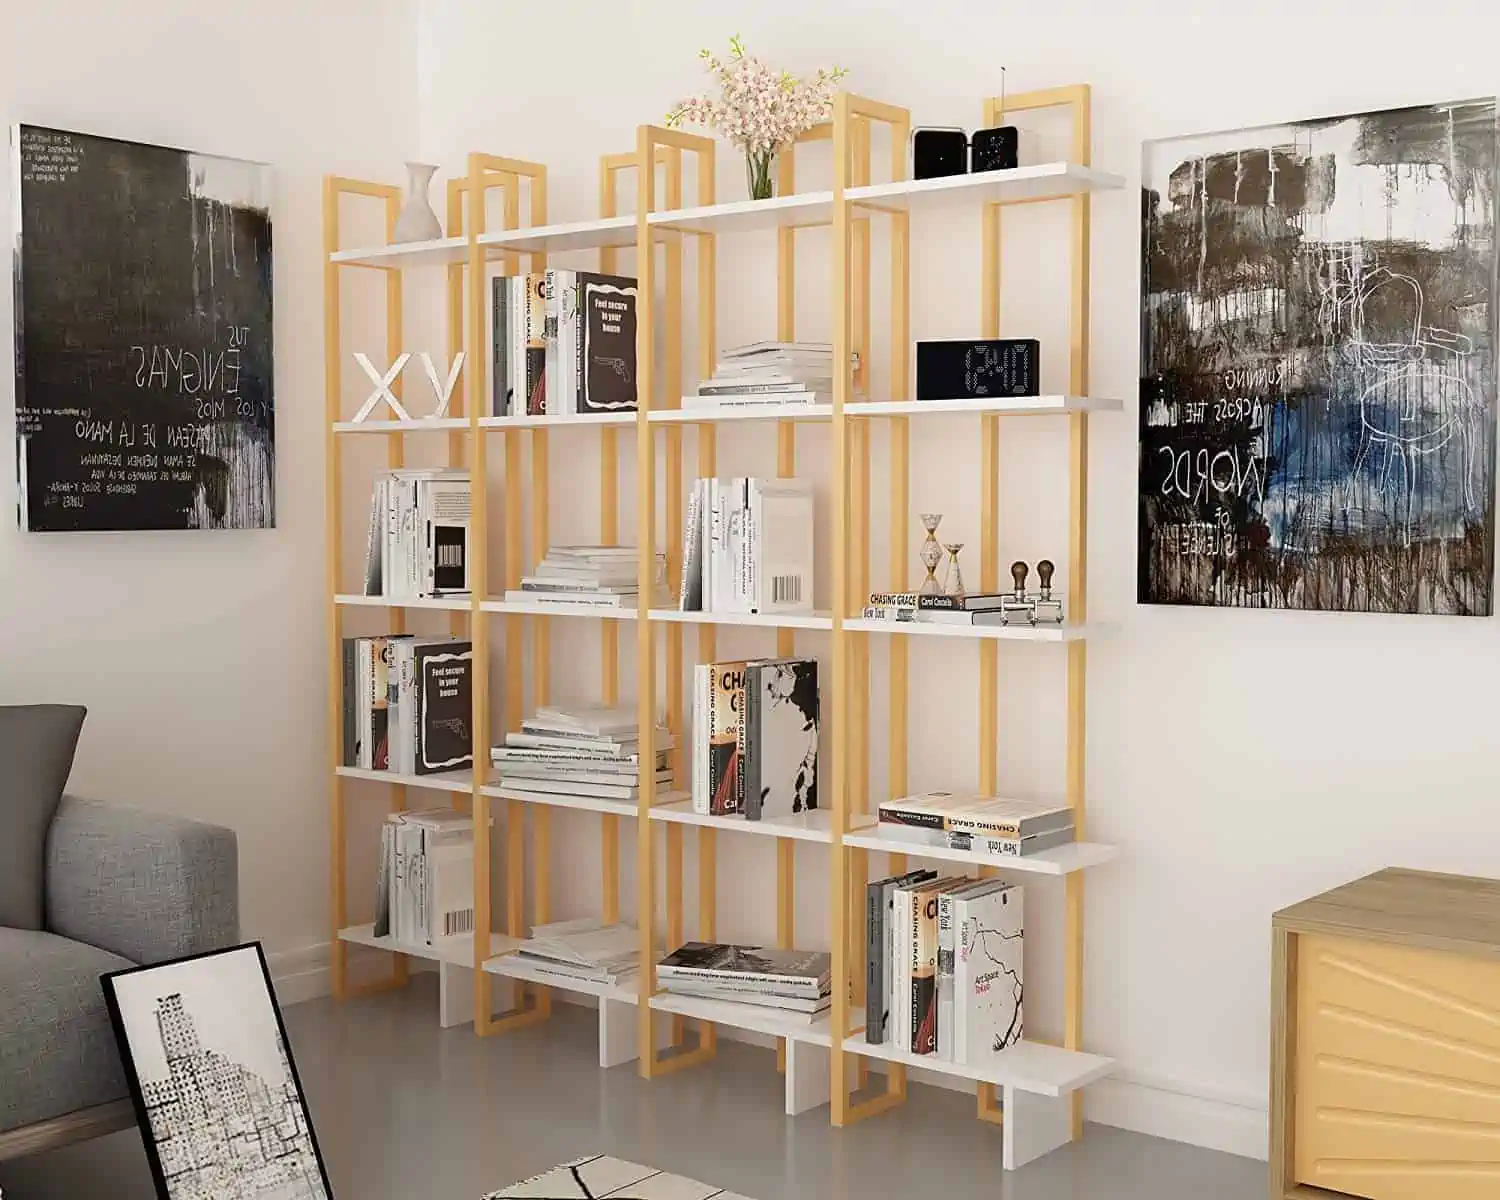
x=1317, y=398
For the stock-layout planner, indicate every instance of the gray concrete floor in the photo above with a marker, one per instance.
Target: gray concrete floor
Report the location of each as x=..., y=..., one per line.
x=406, y=1111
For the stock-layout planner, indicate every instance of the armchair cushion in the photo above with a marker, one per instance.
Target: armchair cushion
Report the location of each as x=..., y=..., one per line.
x=37, y=742
x=57, y=1049
x=143, y=885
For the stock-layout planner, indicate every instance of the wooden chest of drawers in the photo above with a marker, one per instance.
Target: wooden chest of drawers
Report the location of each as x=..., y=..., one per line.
x=1385, y=1041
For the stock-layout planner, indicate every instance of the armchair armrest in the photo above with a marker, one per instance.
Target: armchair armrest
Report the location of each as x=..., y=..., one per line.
x=146, y=886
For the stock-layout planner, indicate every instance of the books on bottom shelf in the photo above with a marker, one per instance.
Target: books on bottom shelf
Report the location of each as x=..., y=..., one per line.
x=984, y=826
x=748, y=546
x=795, y=982
x=599, y=576
x=578, y=750
x=782, y=374
x=944, y=966
x=585, y=950
x=424, y=889
x=755, y=728
x=418, y=541
x=407, y=704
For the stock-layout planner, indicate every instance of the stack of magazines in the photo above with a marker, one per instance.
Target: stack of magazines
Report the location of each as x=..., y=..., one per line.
x=794, y=981
x=599, y=576
x=585, y=949
x=577, y=750
x=769, y=373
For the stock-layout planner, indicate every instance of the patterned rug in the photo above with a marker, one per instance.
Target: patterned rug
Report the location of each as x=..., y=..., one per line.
x=600, y=1177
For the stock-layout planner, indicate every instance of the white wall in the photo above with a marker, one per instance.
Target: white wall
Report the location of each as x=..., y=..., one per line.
x=200, y=656
x=1242, y=759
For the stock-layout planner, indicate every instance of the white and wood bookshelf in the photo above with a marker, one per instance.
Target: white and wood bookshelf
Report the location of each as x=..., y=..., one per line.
x=1033, y=1090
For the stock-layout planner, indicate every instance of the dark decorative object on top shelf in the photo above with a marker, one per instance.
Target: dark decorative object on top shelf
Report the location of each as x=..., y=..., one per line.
x=216, y=1092
x=1020, y=607
x=936, y=153
x=994, y=149
x=143, y=336
x=957, y=370
x=1317, y=390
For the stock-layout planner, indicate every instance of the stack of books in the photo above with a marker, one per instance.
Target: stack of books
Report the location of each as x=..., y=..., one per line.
x=975, y=609
x=775, y=373
x=943, y=964
x=755, y=737
x=418, y=544
x=408, y=704
x=984, y=826
x=794, y=981
x=586, y=950
x=424, y=890
x=577, y=751
x=599, y=576
x=747, y=546
x=563, y=343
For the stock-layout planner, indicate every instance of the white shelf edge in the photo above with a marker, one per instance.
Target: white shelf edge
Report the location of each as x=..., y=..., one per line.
x=1003, y=633
x=457, y=951
x=816, y=826
x=1037, y=179
x=1029, y=1066
x=1016, y=406
x=813, y=620
x=439, y=603
x=537, y=609
x=757, y=1018
x=593, y=234
x=816, y=207
x=415, y=425
x=404, y=254
x=554, y=420
x=512, y=965
x=1060, y=860
x=446, y=781
x=713, y=413
x=599, y=804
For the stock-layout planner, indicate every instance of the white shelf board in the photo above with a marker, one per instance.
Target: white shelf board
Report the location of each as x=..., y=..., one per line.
x=812, y=620
x=814, y=826
x=444, y=603
x=1003, y=633
x=445, y=781
x=1011, y=406
x=989, y=187
x=620, y=808
x=696, y=414
x=538, y=609
x=756, y=1017
x=552, y=239
x=514, y=966
x=436, y=253
x=415, y=425
x=1028, y=1066
x=458, y=951
x=1060, y=860
x=554, y=420
x=743, y=216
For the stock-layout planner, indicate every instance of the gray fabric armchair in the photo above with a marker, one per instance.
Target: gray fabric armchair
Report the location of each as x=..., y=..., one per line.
x=123, y=888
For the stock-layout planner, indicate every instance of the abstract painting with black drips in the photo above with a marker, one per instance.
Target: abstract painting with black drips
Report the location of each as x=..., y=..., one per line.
x=143, y=310
x=1317, y=401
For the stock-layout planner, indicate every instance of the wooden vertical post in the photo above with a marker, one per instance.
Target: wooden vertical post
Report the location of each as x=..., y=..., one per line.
x=609, y=535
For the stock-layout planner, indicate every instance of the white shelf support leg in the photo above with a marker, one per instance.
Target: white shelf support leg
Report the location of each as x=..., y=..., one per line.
x=456, y=995
x=1034, y=1125
x=617, y=1032
x=807, y=1076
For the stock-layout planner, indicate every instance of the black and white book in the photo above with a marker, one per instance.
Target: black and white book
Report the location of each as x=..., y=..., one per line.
x=443, y=671
x=941, y=813
x=970, y=602
x=779, y=738
x=418, y=543
x=880, y=954
x=947, y=947
x=934, y=616
x=803, y=973
x=987, y=973
x=607, y=368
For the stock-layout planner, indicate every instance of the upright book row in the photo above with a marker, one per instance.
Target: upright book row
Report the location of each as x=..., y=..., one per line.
x=407, y=704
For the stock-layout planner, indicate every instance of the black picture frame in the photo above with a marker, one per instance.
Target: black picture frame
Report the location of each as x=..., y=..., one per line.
x=117, y=984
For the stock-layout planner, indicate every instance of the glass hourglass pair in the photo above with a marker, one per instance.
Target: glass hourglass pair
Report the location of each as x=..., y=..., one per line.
x=931, y=554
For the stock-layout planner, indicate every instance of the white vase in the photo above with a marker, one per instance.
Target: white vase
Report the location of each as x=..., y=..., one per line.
x=416, y=221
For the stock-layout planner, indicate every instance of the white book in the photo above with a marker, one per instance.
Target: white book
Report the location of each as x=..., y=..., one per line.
x=783, y=522
x=987, y=973
x=448, y=883
x=592, y=599
x=690, y=590
x=364, y=749
x=751, y=349
x=945, y=958
x=383, y=871
x=375, y=546
x=901, y=939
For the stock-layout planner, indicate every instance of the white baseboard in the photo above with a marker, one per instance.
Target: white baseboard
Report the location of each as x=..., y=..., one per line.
x=1181, y=1112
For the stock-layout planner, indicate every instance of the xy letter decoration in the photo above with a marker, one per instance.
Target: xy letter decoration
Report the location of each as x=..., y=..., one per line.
x=443, y=388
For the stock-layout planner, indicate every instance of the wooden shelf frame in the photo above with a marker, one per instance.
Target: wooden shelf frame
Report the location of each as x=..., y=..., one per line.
x=829, y=1059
